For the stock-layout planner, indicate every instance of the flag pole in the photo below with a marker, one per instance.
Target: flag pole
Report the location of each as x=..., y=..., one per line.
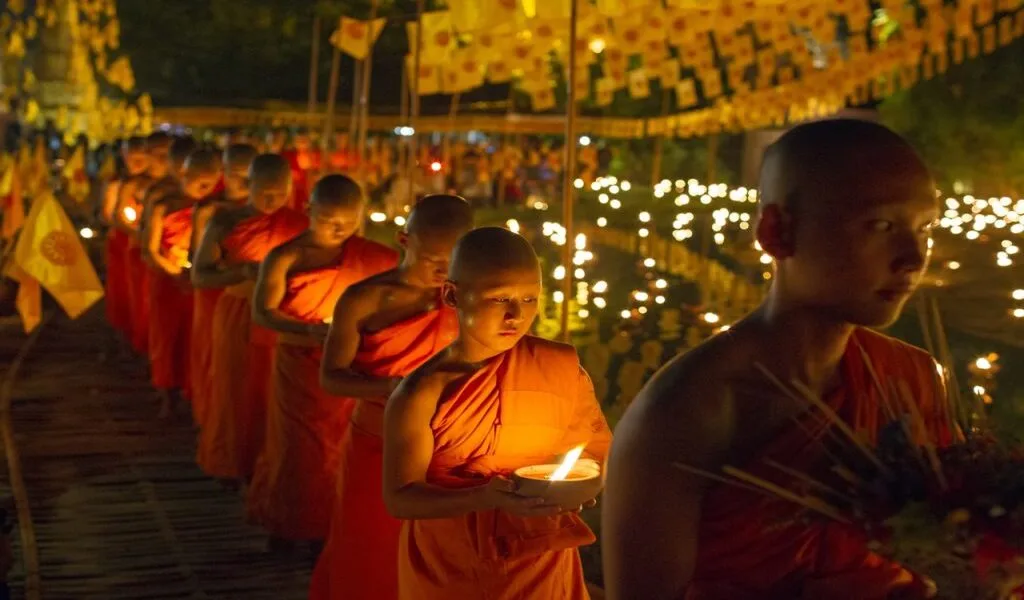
x=314, y=71
x=332, y=99
x=364, y=96
x=414, y=104
x=353, y=122
x=568, y=196
x=446, y=148
x=659, y=143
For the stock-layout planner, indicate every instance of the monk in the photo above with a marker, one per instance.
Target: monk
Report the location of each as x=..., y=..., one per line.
x=846, y=211
x=494, y=401
x=382, y=329
x=167, y=239
x=237, y=158
x=292, y=491
x=130, y=208
x=236, y=240
x=118, y=305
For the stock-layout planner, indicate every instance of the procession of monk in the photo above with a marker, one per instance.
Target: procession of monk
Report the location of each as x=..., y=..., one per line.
x=372, y=400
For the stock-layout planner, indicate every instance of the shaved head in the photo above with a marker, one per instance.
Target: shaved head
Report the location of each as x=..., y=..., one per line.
x=489, y=250
x=158, y=139
x=812, y=162
x=134, y=144
x=181, y=148
x=337, y=190
x=440, y=213
x=202, y=161
x=268, y=169
x=240, y=154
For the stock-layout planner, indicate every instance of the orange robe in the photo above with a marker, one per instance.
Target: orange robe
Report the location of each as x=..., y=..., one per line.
x=755, y=546
x=170, y=315
x=118, y=306
x=293, y=488
x=242, y=359
x=359, y=561
x=204, y=303
x=138, y=288
x=524, y=407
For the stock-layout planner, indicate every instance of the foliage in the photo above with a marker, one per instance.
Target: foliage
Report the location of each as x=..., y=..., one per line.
x=968, y=123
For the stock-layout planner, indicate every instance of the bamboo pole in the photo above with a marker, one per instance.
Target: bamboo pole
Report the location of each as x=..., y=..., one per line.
x=568, y=195
x=403, y=117
x=446, y=148
x=314, y=71
x=659, y=143
x=506, y=139
x=364, y=96
x=332, y=100
x=414, y=104
x=353, y=117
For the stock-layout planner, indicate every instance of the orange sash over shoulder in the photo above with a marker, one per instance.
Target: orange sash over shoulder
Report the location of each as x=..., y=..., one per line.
x=233, y=431
x=764, y=547
x=524, y=407
x=293, y=488
x=359, y=561
x=170, y=318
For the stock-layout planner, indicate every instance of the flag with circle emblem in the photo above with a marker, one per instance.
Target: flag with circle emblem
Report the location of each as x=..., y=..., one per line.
x=50, y=255
x=355, y=37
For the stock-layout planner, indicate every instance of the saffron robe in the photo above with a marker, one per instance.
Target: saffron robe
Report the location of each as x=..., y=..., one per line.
x=170, y=316
x=242, y=359
x=118, y=307
x=138, y=286
x=293, y=488
x=360, y=559
x=204, y=303
x=524, y=407
x=763, y=547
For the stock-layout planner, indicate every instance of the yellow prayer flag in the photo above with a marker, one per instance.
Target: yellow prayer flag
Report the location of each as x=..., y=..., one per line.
x=499, y=71
x=438, y=37
x=428, y=79
x=29, y=301
x=12, y=207
x=604, y=92
x=711, y=83
x=75, y=175
x=50, y=252
x=355, y=37
x=552, y=9
x=546, y=33
x=639, y=84
x=670, y=73
x=686, y=93
x=470, y=71
x=470, y=16
x=542, y=100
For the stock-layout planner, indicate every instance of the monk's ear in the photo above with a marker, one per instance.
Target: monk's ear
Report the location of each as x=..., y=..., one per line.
x=402, y=237
x=775, y=231
x=448, y=293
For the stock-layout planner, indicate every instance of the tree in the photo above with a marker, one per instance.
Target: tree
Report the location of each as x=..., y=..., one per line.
x=969, y=122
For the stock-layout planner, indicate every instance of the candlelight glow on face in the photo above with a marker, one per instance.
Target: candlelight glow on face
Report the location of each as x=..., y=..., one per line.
x=568, y=463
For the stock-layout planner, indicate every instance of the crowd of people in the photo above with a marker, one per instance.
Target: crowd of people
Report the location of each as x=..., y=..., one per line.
x=372, y=402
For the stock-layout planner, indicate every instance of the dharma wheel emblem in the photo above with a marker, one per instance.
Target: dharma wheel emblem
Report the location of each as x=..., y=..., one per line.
x=59, y=248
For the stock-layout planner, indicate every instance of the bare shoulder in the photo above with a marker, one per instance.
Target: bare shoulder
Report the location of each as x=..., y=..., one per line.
x=289, y=251
x=226, y=217
x=430, y=378
x=373, y=288
x=688, y=401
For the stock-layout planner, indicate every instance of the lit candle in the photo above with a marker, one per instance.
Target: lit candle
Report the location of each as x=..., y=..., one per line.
x=129, y=214
x=568, y=463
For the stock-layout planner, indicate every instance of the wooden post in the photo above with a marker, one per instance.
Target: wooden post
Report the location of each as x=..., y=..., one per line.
x=314, y=68
x=414, y=104
x=364, y=96
x=403, y=118
x=446, y=148
x=568, y=195
x=353, y=120
x=659, y=143
x=506, y=139
x=332, y=100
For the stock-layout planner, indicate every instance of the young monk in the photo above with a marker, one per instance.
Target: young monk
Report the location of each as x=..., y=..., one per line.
x=237, y=159
x=236, y=240
x=292, y=491
x=382, y=329
x=130, y=208
x=495, y=400
x=118, y=307
x=167, y=238
x=847, y=210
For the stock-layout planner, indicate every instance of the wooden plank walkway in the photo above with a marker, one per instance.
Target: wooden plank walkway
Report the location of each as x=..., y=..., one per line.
x=118, y=506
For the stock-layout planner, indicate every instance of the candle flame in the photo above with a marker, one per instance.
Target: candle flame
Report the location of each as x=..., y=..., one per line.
x=130, y=215
x=567, y=464
x=328, y=320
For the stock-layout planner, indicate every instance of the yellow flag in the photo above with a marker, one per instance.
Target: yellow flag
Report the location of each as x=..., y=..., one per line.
x=29, y=300
x=686, y=93
x=50, y=252
x=472, y=15
x=75, y=175
x=438, y=37
x=639, y=84
x=355, y=37
x=12, y=207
